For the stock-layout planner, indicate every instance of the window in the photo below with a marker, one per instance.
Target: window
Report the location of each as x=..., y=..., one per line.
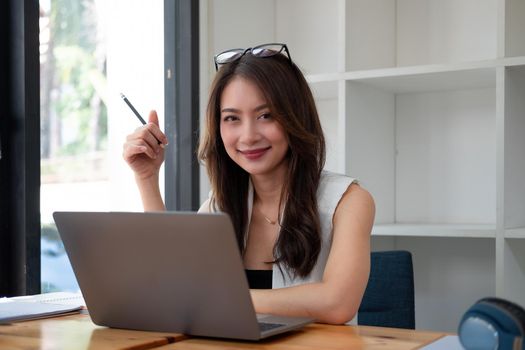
x=90, y=52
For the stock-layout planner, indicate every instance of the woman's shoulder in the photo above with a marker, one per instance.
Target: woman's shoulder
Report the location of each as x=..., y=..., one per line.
x=332, y=187
x=331, y=181
x=341, y=194
x=330, y=175
x=338, y=185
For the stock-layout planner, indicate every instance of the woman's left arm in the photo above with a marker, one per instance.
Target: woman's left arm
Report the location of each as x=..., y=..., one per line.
x=337, y=297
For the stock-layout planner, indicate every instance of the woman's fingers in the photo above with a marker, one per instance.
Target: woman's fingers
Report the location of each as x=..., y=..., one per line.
x=146, y=134
x=147, y=139
x=162, y=140
x=153, y=118
x=140, y=147
x=153, y=127
x=160, y=137
x=157, y=136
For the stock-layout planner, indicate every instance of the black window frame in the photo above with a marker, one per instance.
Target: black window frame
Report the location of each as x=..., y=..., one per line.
x=181, y=62
x=20, y=147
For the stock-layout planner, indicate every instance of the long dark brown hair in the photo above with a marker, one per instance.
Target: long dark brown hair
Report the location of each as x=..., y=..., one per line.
x=292, y=105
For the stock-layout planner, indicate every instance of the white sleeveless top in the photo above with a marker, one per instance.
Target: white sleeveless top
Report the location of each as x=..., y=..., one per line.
x=331, y=189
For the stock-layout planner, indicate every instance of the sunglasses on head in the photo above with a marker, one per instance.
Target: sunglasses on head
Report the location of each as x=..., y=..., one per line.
x=262, y=51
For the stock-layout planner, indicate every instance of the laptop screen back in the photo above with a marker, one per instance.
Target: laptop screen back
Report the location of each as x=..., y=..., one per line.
x=173, y=272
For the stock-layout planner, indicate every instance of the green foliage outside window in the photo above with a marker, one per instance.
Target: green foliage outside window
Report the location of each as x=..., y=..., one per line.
x=74, y=115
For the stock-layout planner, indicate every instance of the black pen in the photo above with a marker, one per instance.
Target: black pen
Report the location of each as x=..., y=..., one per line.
x=137, y=114
x=133, y=108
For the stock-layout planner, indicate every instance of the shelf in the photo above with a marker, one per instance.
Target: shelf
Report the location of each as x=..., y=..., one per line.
x=422, y=101
x=435, y=230
x=423, y=80
x=436, y=77
x=515, y=232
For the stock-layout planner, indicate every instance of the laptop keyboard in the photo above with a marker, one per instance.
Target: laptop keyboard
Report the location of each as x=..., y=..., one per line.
x=264, y=326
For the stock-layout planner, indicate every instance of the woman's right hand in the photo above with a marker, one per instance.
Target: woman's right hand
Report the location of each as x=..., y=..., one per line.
x=142, y=150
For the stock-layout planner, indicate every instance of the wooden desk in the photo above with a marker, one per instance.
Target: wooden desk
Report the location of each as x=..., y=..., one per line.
x=78, y=332
x=321, y=336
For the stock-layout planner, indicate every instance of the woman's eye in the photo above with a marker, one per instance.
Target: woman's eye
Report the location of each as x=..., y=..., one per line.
x=265, y=116
x=229, y=118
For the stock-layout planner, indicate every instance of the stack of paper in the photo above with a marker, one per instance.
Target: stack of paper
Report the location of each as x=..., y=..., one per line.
x=39, y=306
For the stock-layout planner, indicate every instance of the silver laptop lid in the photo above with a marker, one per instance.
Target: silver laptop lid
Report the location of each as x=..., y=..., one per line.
x=172, y=272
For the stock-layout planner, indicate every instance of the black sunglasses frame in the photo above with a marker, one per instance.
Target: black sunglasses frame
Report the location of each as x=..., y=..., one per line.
x=250, y=50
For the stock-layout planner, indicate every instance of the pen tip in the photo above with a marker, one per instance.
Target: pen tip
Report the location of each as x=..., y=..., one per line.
x=122, y=95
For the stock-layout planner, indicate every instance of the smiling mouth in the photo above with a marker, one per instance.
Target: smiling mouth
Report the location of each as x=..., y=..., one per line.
x=255, y=153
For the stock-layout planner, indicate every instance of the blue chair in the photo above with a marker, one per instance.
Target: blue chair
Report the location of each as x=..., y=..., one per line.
x=389, y=296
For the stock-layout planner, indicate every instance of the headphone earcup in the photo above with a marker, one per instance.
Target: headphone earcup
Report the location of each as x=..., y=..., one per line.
x=493, y=323
x=510, y=315
x=477, y=329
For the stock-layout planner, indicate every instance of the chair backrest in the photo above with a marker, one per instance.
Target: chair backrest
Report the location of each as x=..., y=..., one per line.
x=389, y=296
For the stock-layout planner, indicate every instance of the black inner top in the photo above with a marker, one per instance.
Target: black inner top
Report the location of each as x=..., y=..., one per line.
x=259, y=279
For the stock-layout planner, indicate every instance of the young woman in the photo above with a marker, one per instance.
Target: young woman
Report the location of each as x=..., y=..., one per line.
x=304, y=233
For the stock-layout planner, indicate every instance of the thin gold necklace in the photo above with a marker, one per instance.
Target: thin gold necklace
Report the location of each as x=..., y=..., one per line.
x=268, y=220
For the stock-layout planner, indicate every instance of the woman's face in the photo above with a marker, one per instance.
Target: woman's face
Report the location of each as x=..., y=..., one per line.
x=252, y=138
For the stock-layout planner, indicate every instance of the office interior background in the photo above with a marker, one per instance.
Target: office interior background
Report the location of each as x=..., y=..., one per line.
x=421, y=100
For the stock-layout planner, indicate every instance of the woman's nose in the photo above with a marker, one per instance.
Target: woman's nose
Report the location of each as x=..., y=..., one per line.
x=250, y=133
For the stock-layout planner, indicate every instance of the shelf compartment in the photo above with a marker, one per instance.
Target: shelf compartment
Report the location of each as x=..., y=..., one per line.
x=446, y=157
x=447, y=271
x=424, y=156
x=513, y=287
x=327, y=103
x=435, y=230
x=513, y=128
x=310, y=29
x=514, y=45
x=413, y=32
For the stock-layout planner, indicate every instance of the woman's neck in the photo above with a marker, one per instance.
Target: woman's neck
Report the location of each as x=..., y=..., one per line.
x=268, y=187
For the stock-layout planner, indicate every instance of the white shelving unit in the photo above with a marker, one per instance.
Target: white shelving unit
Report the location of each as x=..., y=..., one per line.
x=424, y=102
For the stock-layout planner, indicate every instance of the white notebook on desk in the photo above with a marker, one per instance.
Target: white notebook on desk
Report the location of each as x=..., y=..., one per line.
x=39, y=306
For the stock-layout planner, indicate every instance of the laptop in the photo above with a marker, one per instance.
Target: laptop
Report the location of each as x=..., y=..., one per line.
x=168, y=272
